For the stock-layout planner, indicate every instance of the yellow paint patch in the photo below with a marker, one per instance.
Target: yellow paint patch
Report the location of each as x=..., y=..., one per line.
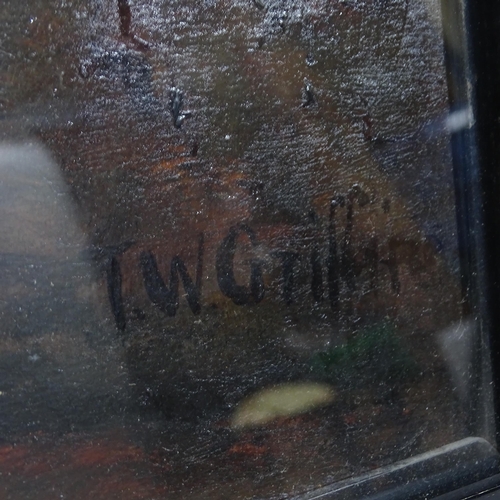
x=284, y=400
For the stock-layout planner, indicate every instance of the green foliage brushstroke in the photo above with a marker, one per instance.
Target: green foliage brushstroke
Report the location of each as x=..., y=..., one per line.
x=373, y=357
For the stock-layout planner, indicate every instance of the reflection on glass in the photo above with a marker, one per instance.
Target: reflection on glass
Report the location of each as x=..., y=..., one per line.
x=231, y=259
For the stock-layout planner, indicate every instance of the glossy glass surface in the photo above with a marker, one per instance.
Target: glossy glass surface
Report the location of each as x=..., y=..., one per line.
x=229, y=247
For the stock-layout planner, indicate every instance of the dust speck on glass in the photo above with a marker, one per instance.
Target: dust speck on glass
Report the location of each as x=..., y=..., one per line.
x=229, y=254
